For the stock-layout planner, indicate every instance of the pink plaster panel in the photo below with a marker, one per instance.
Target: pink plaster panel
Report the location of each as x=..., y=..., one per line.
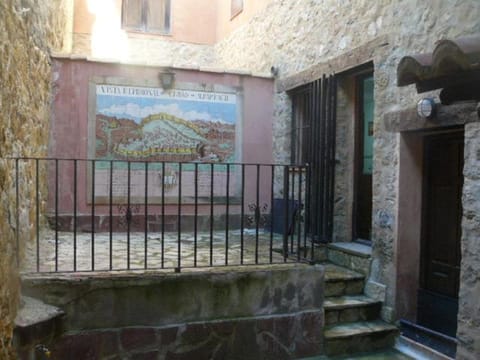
x=69, y=130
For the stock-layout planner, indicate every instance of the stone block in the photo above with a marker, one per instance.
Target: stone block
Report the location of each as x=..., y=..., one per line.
x=137, y=338
x=150, y=355
x=167, y=335
x=195, y=333
x=94, y=345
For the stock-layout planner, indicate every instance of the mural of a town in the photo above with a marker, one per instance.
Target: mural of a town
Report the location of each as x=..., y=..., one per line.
x=151, y=124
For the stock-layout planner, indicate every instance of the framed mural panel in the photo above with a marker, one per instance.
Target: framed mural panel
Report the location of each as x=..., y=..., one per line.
x=142, y=135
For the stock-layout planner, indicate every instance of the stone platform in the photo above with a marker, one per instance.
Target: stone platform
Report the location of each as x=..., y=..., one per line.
x=153, y=251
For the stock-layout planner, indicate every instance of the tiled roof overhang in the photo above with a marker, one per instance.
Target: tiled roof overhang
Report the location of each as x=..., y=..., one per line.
x=452, y=63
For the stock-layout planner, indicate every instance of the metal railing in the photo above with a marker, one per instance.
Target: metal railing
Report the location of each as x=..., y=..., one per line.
x=76, y=215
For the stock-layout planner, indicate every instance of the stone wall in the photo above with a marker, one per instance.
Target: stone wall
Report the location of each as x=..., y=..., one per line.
x=241, y=313
x=148, y=51
x=29, y=29
x=468, y=332
x=299, y=36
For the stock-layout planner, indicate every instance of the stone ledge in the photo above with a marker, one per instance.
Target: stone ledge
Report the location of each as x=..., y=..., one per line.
x=162, y=298
x=171, y=66
x=352, y=248
x=36, y=323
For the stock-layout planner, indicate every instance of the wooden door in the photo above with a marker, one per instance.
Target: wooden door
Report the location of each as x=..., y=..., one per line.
x=441, y=232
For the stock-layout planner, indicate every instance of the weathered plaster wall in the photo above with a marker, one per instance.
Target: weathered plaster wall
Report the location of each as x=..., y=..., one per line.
x=28, y=30
x=295, y=36
x=69, y=135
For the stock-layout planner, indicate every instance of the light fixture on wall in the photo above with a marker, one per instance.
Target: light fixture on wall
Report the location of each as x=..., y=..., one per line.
x=167, y=79
x=426, y=108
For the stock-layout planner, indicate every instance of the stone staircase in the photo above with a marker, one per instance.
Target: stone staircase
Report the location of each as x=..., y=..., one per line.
x=352, y=320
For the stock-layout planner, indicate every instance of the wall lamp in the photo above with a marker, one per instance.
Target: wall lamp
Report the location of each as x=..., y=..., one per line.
x=167, y=79
x=426, y=108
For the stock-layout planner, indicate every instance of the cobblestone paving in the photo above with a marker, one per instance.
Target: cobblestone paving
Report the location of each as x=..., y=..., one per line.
x=155, y=253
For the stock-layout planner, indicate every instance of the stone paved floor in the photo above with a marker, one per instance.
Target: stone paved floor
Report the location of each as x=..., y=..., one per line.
x=156, y=258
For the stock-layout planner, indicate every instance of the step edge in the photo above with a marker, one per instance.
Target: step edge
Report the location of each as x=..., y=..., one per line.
x=332, y=307
x=349, y=278
x=361, y=332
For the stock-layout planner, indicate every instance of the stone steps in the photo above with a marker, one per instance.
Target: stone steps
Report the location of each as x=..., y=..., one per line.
x=345, y=309
x=357, y=337
x=352, y=322
x=340, y=281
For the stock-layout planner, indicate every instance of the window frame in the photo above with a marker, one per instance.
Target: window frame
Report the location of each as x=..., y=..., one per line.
x=236, y=7
x=144, y=27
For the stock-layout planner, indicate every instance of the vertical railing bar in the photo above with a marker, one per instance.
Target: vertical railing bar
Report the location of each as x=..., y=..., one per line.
x=272, y=190
x=17, y=212
x=37, y=211
x=56, y=215
x=179, y=219
x=163, y=215
x=145, y=224
x=257, y=212
x=299, y=212
x=75, y=186
x=292, y=228
x=195, y=219
x=285, y=213
x=211, y=211
x=110, y=216
x=93, y=217
x=242, y=214
x=327, y=172
x=333, y=134
x=128, y=213
x=227, y=210
x=323, y=159
x=305, y=213
x=309, y=187
x=315, y=155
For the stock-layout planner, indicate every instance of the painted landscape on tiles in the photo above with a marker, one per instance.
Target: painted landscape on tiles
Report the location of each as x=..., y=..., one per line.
x=138, y=123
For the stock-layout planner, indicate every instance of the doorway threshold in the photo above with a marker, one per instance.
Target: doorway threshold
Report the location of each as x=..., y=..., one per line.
x=428, y=338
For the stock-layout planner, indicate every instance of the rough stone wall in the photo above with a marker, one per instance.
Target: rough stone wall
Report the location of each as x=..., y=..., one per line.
x=147, y=51
x=342, y=229
x=468, y=332
x=295, y=35
x=28, y=30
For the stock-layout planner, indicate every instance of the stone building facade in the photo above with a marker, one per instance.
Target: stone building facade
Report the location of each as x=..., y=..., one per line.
x=298, y=42
x=305, y=39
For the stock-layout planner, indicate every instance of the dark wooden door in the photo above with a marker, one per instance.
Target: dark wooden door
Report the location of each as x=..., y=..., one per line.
x=441, y=232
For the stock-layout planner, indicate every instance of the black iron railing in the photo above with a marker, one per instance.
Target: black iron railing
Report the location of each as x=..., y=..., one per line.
x=106, y=215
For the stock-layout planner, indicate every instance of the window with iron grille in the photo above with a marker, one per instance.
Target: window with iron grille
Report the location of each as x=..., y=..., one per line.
x=313, y=143
x=149, y=16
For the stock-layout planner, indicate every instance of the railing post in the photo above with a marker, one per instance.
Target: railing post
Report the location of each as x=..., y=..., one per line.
x=37, y=210
x=285, y=211
x=145, y=239
x=179, y=219
x=56, y=215
x=93, y=215
x=17, y=213
x=75, y=214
